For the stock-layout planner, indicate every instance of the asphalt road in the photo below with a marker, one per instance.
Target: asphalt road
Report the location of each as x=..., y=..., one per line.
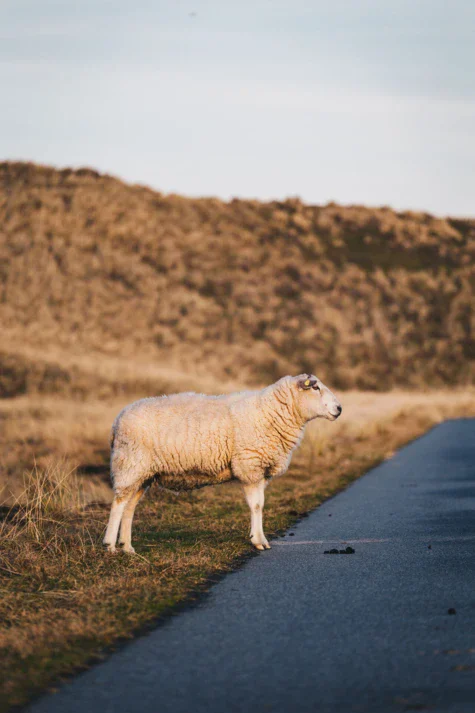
x=298, y=630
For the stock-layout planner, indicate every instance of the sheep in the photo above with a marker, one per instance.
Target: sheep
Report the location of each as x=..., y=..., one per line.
x=189, y=440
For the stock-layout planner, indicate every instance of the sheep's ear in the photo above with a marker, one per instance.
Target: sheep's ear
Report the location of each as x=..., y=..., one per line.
x=306, y=383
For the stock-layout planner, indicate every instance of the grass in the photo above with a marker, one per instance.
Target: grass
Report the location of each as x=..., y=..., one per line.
x=241, y=290
x=65, y=602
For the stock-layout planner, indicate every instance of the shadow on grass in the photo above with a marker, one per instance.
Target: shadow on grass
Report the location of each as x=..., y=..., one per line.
x=172, y=538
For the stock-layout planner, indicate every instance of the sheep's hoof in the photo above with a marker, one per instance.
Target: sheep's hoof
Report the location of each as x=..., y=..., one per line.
x=262, y=546
x=129, y=549
x=108, y=547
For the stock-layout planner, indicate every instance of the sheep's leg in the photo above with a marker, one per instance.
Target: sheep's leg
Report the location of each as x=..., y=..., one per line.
x=255, y=499
x=117, y=509
x=125, y=538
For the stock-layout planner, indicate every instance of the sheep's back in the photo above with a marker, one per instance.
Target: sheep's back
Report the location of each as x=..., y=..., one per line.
x=182, y=433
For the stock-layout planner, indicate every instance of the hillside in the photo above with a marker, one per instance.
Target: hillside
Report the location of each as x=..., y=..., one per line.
x=110, y=292
x=246, y=291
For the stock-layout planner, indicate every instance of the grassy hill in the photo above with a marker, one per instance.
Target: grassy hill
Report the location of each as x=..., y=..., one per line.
x=239, y=291
x=109, y=292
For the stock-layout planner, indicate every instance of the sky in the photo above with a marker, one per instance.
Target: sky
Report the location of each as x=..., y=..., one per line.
x=353, y=101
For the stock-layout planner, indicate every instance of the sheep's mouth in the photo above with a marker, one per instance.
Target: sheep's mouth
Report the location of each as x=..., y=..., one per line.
x=333, y=416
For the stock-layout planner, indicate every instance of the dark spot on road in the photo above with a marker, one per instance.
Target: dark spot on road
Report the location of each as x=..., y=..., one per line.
x=429, y=547
x=463, y=667
x=334, y=551
x=413, y=702
x=451, y=611
x=329, y=514
x=291, y=534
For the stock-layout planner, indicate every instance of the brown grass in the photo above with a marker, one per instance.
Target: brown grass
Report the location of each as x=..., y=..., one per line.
x=64, y=600
x=244, y=290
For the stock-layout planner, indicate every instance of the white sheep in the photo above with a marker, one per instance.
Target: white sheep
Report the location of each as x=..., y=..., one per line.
x=189, y=440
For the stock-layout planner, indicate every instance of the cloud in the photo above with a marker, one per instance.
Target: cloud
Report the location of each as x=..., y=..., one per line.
x=187, y=107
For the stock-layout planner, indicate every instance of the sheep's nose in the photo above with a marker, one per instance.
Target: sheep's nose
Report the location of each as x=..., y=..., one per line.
x=339, y=409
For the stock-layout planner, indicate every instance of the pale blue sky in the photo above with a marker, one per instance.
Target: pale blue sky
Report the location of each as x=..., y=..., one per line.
x=357, y=101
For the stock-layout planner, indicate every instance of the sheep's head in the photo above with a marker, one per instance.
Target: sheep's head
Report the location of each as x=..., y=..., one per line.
x=315, y=399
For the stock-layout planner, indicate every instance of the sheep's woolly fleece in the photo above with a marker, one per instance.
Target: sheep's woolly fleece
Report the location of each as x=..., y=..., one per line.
x=190, y=440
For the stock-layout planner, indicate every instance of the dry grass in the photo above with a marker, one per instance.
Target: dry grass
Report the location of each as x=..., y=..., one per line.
x=246, y=291
x=64, y=600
